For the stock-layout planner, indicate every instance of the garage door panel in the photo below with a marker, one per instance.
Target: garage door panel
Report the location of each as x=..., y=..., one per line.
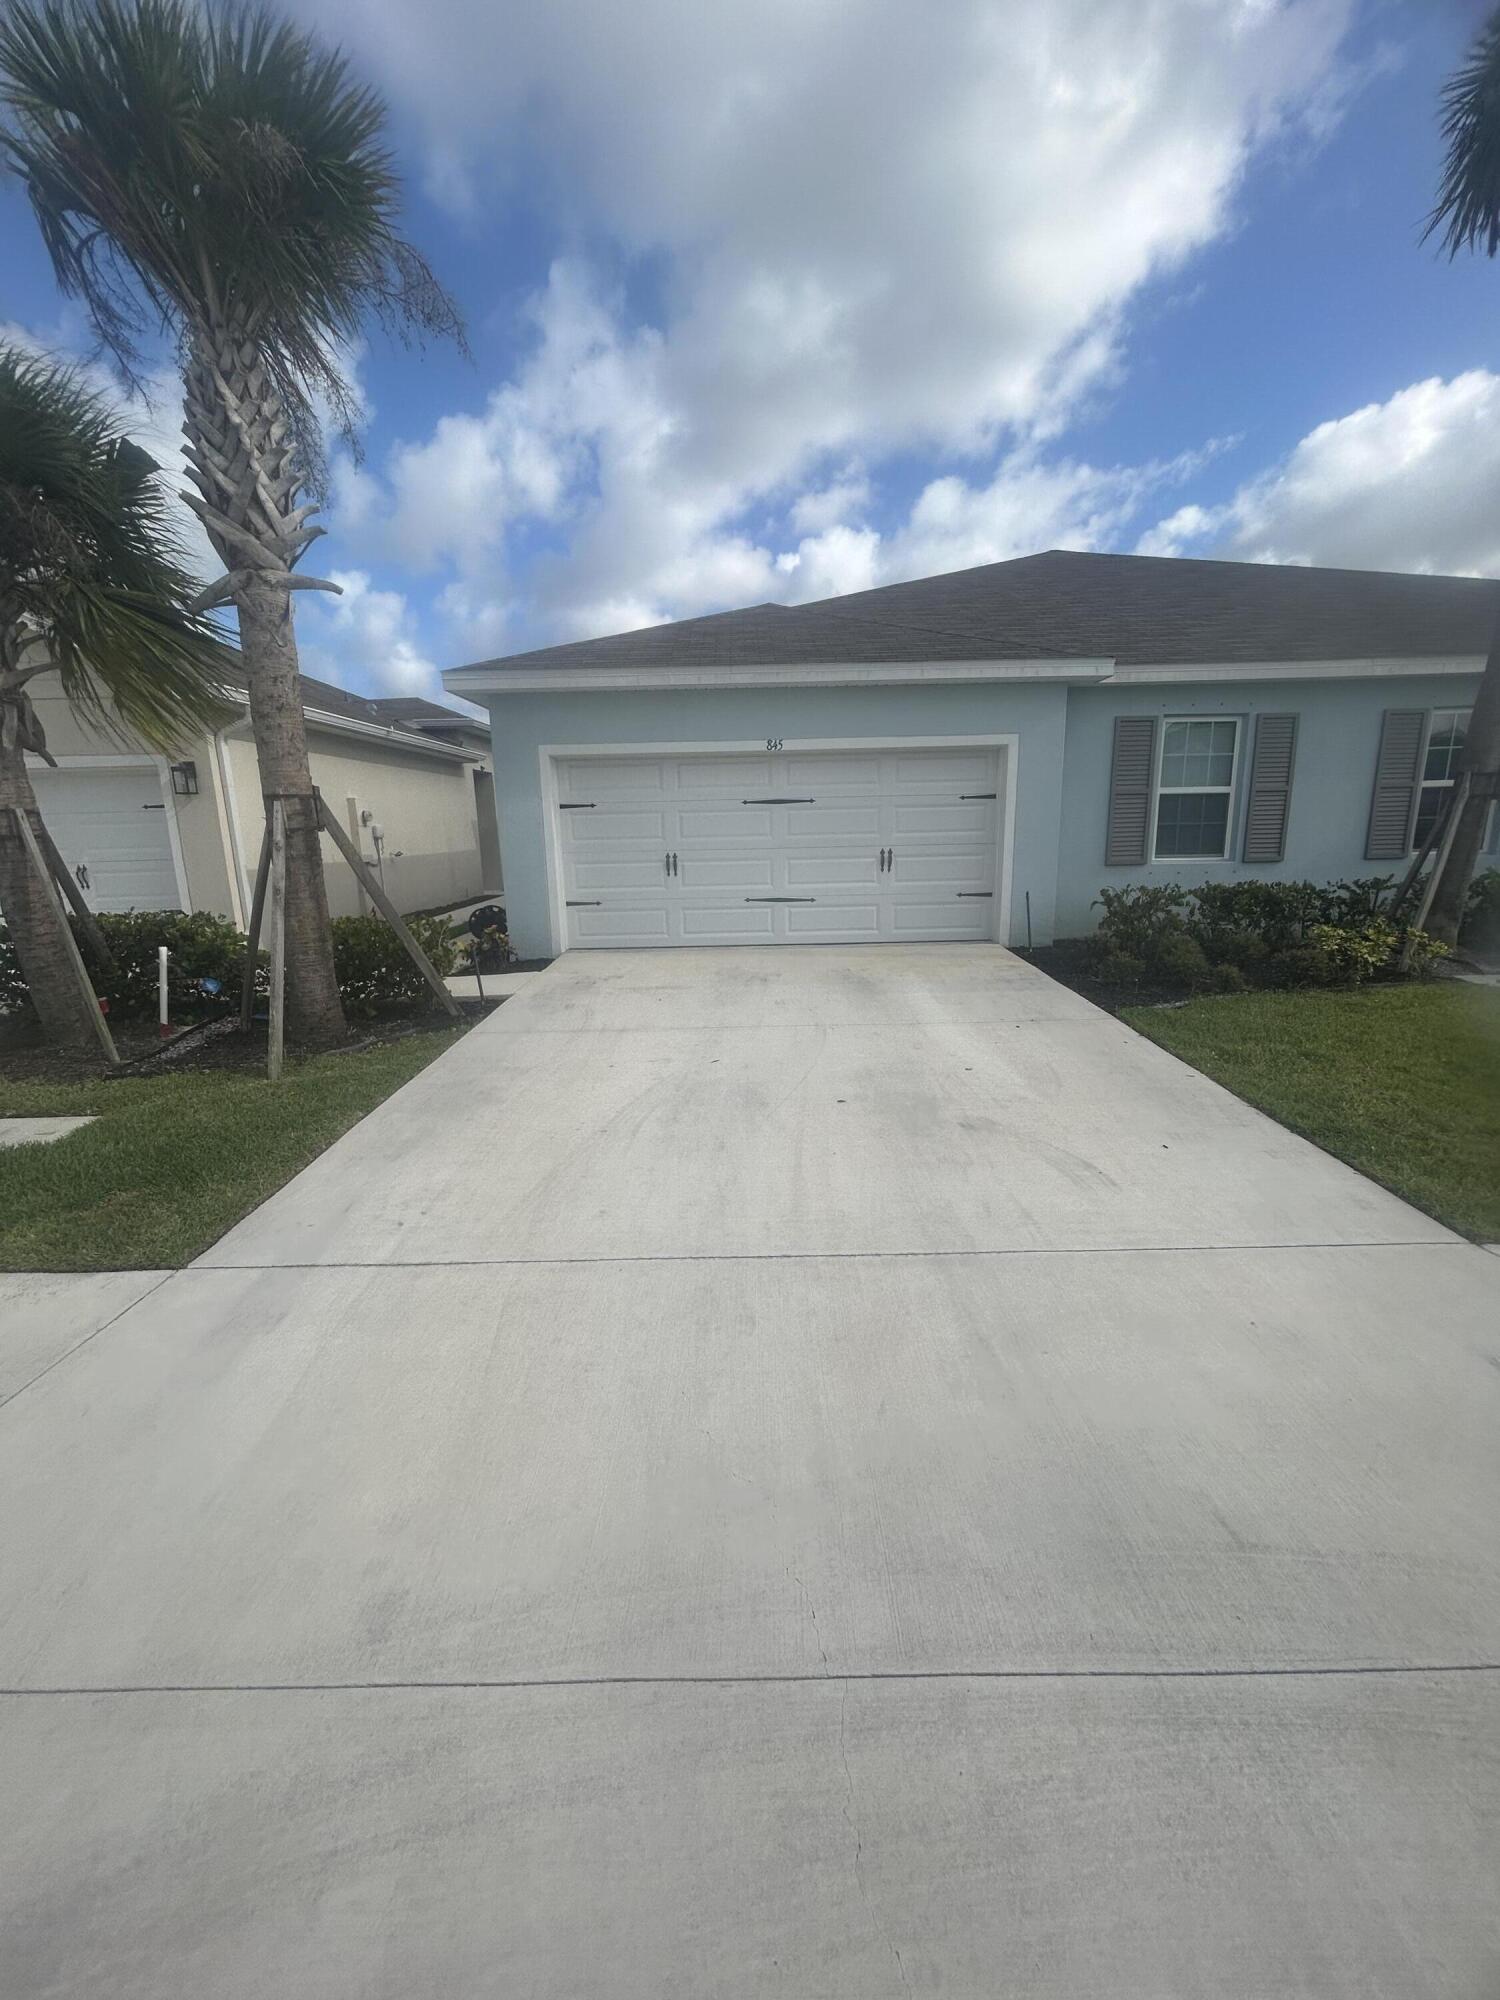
x=622, y=924
x=954, y=870
x=610, y=777
x=590, y=828
x=962, y=770
x=794, y=847
x=716, y=777
x=593, y=873
x=727, y=923
x=829, y=918
x=834, y=822
x=724, y=823
x=731, y=871
x=838, y=771
x=947, y=817
x=808, y=872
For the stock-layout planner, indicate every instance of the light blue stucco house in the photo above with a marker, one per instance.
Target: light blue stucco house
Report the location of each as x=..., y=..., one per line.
x=975, y=755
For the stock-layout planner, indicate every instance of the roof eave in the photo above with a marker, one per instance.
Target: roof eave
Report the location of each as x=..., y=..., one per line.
x=493, y=678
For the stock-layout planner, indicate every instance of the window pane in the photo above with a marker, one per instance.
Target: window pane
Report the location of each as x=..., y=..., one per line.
x=1444, y=741
x=1191, y=823
x=1429, y=805
x=1197, y=753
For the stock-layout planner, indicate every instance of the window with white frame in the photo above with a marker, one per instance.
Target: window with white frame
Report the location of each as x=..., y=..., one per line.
x=1195, y=788
x=1446, y=730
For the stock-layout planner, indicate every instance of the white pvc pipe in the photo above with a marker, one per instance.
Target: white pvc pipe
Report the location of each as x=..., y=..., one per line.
x=161, y=989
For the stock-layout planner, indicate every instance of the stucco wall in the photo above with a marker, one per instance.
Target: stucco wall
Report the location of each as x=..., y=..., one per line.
x=522, y=724
x=1338, y=732
x=425, y=807
x=1061, y=775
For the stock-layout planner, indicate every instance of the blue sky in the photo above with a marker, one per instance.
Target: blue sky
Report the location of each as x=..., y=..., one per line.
x=788, y=298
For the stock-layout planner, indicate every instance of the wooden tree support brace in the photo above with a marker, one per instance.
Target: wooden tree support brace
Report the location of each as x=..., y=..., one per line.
x=372, y=888
x=252, y=943
x=88, y=922
x=80, y=971
x=276, y=1038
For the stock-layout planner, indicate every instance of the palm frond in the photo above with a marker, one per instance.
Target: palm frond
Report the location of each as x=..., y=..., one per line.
x=88, y=564
x=189, y=168
x=1468, y=203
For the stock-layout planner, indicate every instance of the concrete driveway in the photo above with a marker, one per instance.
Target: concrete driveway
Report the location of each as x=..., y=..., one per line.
x=805, y=1473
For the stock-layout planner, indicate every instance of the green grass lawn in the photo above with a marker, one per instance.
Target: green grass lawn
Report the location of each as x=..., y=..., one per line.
x=1403, y=1082
x=174, y=1160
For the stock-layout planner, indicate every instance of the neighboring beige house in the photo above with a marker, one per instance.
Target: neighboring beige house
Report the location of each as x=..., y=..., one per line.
x=143, y=832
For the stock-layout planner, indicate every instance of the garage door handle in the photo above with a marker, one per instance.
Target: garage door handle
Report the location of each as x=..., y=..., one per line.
x=81, y=875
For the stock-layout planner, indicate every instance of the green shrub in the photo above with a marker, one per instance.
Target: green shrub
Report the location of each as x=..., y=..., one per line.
x=370, y=961
x=1181, y=961
x=1138, y=919
x=1356, y=950
x=1300, y=965
x=202, y=947
x=1118, y=968
x=1227, y=979
x=1226, y=915
x=13, y=994
x=372, y=965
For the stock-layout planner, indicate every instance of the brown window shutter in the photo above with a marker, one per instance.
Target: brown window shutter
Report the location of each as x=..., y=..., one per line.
x=1394, y=796
x=1270, y=803
x=1129, y=823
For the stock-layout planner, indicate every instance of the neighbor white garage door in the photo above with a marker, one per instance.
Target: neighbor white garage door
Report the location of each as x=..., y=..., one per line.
x=112, y=826
x=800, y=847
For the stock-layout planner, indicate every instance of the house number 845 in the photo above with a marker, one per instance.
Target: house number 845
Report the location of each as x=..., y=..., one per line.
x=773, y=742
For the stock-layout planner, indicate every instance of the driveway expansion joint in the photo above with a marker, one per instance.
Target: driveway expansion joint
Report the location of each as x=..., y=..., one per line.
x=823, y=1678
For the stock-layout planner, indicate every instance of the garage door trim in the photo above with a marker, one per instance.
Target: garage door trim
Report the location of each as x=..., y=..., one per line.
x=550, y=755
x=133, y=760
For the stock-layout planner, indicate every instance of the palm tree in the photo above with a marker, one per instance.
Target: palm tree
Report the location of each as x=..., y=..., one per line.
x=1468, y=216
x=91, y=588
x=221, y=177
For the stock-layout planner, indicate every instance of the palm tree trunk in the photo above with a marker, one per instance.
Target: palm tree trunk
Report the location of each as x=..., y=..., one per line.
x=37, y=936
x=268, y=645
x=244, y=460
x=1481, y=755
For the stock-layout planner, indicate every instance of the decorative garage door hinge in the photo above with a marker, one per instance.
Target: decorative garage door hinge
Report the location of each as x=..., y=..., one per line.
x=778, y=802
x=596, y=905
x=585, y=806
x=975, y=895
x=976, y=795
x=781, y=899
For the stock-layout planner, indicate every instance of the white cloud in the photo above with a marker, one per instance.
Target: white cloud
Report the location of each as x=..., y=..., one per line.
x=1412, y=483
x=364, y=639
x=877, y=229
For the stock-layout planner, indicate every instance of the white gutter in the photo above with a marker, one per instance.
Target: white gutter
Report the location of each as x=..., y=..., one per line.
x=500, y=679
x=231, y=817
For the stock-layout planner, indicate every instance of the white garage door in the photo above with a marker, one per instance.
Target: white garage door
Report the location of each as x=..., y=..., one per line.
x=801, y=847
x=111, y=827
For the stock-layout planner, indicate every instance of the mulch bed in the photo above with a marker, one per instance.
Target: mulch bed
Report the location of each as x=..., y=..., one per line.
x=1064, y=962
x=214, y=1044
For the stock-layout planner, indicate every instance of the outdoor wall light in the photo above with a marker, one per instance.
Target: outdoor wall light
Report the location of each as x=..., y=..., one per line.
x=185, y=780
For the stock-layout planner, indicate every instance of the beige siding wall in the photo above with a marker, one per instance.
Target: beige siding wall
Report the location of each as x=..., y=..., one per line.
x=424, y=807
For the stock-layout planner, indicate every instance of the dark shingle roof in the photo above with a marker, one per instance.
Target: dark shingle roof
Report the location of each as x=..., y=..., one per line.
x=339, y=701
x=1137, y=610
x=428, y=716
